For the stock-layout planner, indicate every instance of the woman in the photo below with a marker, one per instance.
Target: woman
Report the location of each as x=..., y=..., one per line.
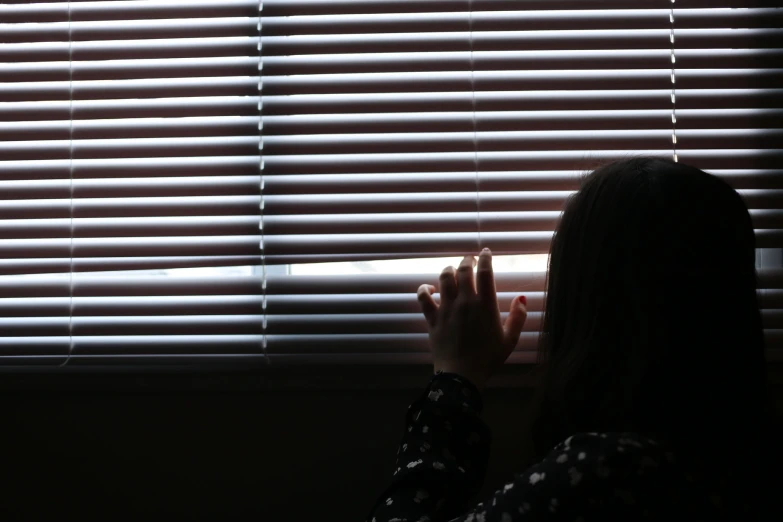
x=651, y=398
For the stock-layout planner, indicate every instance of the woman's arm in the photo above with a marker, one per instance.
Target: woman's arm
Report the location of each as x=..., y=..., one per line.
x=443, y=455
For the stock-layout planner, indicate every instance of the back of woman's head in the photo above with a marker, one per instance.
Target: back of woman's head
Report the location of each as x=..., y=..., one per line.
x=651, y=321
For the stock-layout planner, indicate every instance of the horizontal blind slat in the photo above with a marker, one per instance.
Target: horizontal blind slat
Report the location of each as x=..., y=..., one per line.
x=390, y=22
x=466, y=181
x=132, y=207
x=131, y=167
x=519, y=20
x=117, y=69
x=133, y=147
x=302, y=7
x=131, y=187
x=129, y=29
x=533, y=160
x=107, y=10
x=65, y=265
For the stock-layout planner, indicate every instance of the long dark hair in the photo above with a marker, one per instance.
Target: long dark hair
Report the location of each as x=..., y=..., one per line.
x=651, y=322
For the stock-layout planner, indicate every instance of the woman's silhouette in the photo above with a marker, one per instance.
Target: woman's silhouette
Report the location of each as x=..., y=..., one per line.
x=651, y=400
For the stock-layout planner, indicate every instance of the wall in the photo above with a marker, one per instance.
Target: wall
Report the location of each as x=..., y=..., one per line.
x=123, y=448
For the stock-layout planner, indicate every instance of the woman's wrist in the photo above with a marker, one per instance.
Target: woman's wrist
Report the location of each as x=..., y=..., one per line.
x=465, y=374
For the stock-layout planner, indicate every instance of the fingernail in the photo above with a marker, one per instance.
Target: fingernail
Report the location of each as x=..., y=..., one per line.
x=486, y=251
x=523, y=300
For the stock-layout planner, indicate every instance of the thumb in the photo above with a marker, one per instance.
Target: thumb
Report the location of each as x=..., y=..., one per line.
x=515, y=321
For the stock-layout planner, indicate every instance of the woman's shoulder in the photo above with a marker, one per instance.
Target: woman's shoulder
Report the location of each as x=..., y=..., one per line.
x=620, y=446
x=611, y=459
x=604, y=474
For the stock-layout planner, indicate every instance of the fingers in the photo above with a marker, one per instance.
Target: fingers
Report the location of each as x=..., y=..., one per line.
x=448, y=285
x=466, y=283
x=428, y=306
x=485, y=277
x=514, y=322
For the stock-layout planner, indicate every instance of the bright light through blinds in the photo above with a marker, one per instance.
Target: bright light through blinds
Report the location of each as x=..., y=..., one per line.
x=364, y=143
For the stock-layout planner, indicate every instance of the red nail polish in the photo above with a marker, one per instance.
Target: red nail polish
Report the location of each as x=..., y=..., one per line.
x=523, y=300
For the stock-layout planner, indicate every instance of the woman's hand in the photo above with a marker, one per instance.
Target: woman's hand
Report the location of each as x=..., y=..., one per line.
x=466, y=334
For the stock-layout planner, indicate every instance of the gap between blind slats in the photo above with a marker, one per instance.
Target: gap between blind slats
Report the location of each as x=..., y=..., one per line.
x=132, y=207
x=502, y=60
x=279, y=127
x=148, y=286
x=567, y=78
x=465, y=181
x=522, y=221
x=131, y=187
x=392, y=122
x=389, y=62
x=386, y=42
x=644, y=99
x=307, y=144
x=250, y=304
x=405, y=83
x=206, y=91
x=534, y=160
x=316, y=204
x=561, y=100
x=585, y=80
x=91, y=171
x=556, y=180
x=516, y=40
x=114, y=264
x=424, y=243
x=248, y=343
x=319, y=324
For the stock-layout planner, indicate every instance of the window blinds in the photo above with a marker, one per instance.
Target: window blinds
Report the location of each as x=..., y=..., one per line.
x=129, y=139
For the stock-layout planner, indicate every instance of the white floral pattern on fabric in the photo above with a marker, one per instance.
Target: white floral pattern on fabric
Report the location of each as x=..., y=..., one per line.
x=414, y=463
x=450, y=449
x=535, y=478
x=435, y=395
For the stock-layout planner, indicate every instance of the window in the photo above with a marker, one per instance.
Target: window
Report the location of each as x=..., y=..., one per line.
x=241, y=182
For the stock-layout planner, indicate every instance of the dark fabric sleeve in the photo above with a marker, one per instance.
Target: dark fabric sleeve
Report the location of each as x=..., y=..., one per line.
x=588, y=477
x=443, y=455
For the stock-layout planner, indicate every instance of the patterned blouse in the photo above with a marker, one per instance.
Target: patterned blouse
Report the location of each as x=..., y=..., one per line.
x=588, y=477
